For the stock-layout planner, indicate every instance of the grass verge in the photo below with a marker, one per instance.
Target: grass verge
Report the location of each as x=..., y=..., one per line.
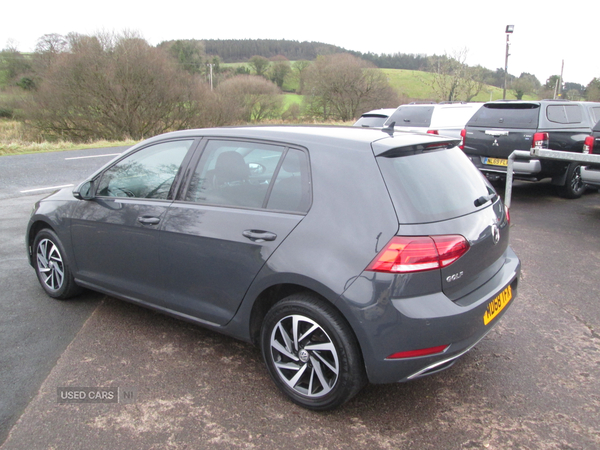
x=15, y=140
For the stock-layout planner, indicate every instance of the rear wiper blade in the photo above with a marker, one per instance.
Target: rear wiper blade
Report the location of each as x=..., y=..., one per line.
x=484, y=199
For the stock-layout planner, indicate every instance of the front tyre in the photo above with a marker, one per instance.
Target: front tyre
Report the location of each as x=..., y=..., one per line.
x=51, y=266
x=574, y=186
x=311, y=353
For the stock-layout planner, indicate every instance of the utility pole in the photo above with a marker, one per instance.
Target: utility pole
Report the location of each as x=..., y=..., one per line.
x=562, y=67
x=509, y=30
x=210, y=76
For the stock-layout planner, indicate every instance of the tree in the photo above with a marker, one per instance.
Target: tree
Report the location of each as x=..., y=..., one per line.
x=279, y=70
x=551, y=87
x=47, y=48
x=525, y=84
x=472, y=83
x=114, y=87
x=188, y=53
x=453, y=79
x=299, y=71
x=13, y=65
x=592, y=90
x=250, y=98
x=342, y=86
x=260, y=64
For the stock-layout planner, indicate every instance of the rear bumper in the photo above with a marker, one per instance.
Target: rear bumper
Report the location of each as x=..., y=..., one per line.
x=525, y=167
x=591, y=175
x=386, y=325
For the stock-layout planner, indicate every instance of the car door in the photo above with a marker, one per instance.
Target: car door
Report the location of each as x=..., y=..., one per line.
x=115, y=234
x=243, y=200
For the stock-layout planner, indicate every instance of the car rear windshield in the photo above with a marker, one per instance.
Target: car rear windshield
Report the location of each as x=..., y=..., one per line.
x=370, y=121
x=433, y=186
x=503, y=115
x=415, y=116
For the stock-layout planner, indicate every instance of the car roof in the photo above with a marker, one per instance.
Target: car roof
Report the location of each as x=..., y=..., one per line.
x=351, y=138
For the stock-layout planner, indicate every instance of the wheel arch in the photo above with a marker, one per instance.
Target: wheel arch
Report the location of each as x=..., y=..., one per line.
x=34, y=228
x=277, y=292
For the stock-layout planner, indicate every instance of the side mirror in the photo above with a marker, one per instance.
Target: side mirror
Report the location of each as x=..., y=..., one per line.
x=83, y=191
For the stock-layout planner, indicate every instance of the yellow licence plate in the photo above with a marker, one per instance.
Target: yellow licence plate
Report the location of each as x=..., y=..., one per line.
x=496, y=161
x=495, y=306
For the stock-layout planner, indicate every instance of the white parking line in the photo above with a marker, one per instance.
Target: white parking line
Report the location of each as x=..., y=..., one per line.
x=93, y=156
x=47, y=188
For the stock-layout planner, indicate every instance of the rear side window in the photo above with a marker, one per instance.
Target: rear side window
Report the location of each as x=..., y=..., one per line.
x=566, y=114
x=251, y=175
x=516, y=115
x=415, y=116
x=433, y=186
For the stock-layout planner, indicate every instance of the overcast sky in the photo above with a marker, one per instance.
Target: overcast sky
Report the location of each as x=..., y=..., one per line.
x=545, y=33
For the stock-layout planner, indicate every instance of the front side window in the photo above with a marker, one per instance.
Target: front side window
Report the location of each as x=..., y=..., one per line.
x=148, y=173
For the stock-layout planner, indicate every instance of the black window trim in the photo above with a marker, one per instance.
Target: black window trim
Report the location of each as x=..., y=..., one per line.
x=199, y=151
x=176, y=182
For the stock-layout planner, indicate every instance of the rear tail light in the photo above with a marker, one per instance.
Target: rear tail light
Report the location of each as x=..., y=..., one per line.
x=406, y=254
x=588, y=145
x=540, y=140
x=433, y=132
x=463, y=137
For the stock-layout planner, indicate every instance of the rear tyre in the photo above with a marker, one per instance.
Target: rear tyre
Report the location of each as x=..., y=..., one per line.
x=311, y=353
x=574, y=186
x=51, y=266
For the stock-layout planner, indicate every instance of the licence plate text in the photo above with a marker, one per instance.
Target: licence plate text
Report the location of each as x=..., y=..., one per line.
x=495, y=306
x=496, y=161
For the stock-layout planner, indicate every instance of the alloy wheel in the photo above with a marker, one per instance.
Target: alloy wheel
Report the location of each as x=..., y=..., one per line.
x=50, y=264
x=304, y=356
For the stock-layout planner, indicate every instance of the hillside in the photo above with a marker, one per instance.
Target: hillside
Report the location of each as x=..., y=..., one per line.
x=416, y=85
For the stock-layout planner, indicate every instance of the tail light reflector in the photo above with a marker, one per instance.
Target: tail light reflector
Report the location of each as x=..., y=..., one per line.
x=588, y=145
x=433, y=132
x=406, y=254
x=420, y=352
x=463, y=137
x=540, y=140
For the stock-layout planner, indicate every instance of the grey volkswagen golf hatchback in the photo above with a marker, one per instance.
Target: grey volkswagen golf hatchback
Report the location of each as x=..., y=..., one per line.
x=348, y=255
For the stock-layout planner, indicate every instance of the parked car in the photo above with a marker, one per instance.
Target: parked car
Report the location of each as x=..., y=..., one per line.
x=590, y=175
x=347, y=254
x=375, y=118
x=501, y=127
x=447, y=118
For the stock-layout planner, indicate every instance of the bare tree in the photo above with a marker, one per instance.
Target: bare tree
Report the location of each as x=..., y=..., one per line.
x=114, y=87
x=453, y=79
x=342, y=86
x=251, y=98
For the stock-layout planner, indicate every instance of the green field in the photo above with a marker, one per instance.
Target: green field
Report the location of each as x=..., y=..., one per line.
x=416, y=85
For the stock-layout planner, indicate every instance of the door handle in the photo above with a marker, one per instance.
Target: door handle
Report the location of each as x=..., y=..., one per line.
x=146, y=220
x=259, y=235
